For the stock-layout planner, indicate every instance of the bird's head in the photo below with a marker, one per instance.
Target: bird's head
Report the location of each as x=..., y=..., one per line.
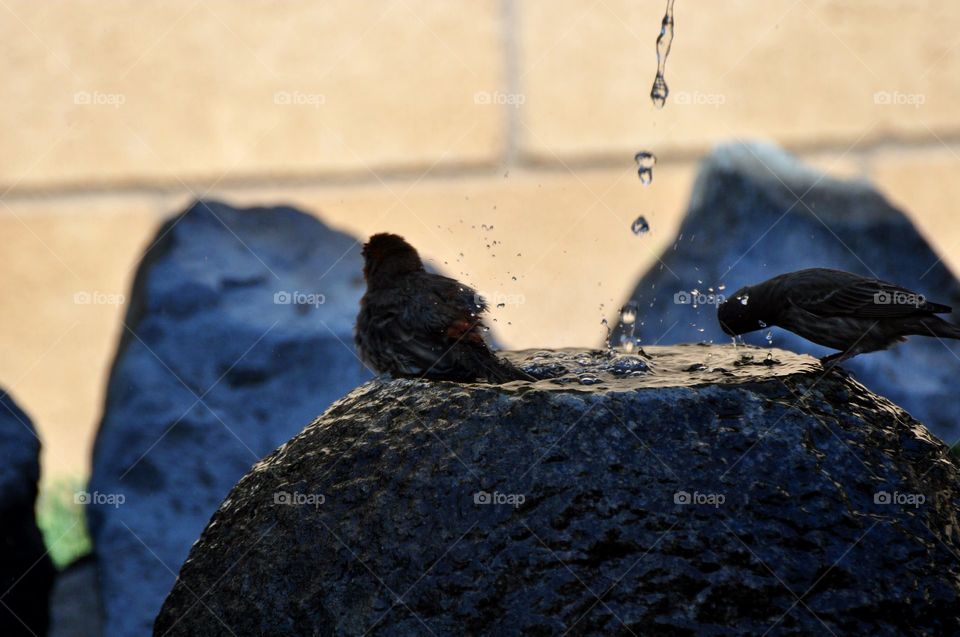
x=742, y=313
x=389, y=255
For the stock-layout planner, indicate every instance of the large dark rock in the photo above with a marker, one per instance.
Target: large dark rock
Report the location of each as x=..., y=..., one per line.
x=223, y=357
x=745, y=224
x=26, y=572
x=727, y=500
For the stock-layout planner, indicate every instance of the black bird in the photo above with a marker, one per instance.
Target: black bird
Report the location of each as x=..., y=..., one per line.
x=837, y=309
x=414, y=323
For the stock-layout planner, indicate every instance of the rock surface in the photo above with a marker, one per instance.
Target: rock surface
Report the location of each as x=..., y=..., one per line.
x=75, y=602
x=237, y=333
x=644, y=494
x=26, y=572
x=745, y=224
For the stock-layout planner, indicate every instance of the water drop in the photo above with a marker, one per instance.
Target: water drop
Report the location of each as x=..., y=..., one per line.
x=645, y=162
x=640, y=225
x=744, y=299
x=769, y=337
x=628, y=315
x=628, y=318
x=501, y=305
x=660, y=90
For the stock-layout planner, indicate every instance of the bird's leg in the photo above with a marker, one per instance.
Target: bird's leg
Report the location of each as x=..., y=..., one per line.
x=835, y=359
x=826, y=360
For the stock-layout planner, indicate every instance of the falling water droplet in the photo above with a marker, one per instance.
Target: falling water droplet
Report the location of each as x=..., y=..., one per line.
x=744, y=299
x=660, y=90
x=640, y=225
x=645, y=162
x=628, y=319
x=769, y=337
x=628, y=315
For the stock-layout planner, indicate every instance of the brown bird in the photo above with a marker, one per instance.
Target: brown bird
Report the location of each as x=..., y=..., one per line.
x=836, y=309
x=414, y=323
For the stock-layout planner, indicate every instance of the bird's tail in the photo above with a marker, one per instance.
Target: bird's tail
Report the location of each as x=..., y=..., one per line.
x=500, y=370
x=936, y=326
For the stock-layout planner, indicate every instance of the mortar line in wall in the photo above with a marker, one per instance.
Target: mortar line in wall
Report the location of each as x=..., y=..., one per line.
x=527, y=166
x=509, y=17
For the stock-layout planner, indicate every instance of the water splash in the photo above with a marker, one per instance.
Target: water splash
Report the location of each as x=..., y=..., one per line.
x=659, y=366
x=640, y=225
x=645, y=162
x=660, y=90
x=628, y=319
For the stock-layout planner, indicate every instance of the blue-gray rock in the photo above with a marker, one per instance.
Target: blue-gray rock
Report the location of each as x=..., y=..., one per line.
x=620, y=495
x=75, y=601
x=757, y=212
x=26, y=571
x=238, y=331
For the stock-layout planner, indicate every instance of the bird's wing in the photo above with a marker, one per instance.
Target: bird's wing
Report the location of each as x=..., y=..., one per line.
x=437, y=314
x=867, y=298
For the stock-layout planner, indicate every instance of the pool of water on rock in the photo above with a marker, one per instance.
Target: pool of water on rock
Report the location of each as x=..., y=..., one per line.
x=660, y=366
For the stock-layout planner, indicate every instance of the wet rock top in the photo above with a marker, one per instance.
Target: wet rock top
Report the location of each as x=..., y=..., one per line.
x=677, y=492
x=658, y=366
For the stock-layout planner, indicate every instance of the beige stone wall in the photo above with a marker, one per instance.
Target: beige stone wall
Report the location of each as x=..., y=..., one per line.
x=429, y=118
